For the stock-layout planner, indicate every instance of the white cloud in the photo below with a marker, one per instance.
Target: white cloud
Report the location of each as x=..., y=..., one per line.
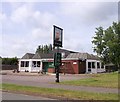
x=89, y=12
x=27, y=26
x=40, y=34
x=27, y=16
x=3, y=17
x=25, y=29
x=44, y=19
x=21, y=14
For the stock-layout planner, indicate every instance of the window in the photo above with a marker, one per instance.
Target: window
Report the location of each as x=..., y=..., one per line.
x=89, y=64
x=89, y=69
x=34, y=63
x=38, y=63
x=26, y=63
x=22, y=63
x=93, y=64
x=98, y=64
x=102, y=65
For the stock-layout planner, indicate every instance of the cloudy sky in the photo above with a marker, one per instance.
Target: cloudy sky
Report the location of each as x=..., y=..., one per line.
x=25, y=25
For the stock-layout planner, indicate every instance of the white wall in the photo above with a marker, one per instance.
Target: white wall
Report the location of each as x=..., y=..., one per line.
x=23, y=68
x=36, y=69
x=30, y=68
x=96, y=69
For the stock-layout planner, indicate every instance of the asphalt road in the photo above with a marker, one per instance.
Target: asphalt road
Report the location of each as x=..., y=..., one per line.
x=14, y=96
x=48, y=80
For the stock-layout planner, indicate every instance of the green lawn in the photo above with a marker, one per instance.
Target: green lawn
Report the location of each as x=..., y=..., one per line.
x=60, y=92
x=108, y=80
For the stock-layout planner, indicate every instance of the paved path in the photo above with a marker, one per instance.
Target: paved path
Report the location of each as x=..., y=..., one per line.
x=14, y=96
x=45, y=81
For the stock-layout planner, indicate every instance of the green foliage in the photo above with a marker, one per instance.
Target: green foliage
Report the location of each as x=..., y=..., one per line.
x=10, y=61
x=98, y=41
x=44, y=48
x=107, y=44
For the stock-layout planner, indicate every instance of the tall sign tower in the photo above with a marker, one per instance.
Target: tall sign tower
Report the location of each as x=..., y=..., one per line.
x=57, y=42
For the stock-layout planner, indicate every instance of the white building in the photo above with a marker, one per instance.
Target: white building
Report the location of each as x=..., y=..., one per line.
x=76, y=62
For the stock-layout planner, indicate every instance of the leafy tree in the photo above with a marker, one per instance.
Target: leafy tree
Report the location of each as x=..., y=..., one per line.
x=44, y=48
x=107, y=44
x=10, y=61
x=50, y=47
x=98, y=41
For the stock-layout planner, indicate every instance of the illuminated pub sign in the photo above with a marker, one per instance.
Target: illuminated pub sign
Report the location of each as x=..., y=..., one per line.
x=58, y=33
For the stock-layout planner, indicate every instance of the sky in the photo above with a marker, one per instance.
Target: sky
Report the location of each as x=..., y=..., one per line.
x=26, y=25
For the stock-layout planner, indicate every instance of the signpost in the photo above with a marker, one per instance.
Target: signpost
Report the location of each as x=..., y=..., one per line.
x=57, y=59
x=57, y=42
x=58, y=33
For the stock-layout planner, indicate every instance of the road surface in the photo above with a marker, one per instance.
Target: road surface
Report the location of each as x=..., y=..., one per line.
x=14, y=96
x=47, y=82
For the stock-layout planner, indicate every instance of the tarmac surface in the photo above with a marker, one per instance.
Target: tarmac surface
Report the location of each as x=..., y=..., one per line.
x=48, y=81
x=15, y=96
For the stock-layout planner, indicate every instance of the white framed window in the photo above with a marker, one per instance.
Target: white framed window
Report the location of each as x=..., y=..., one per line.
x=102, y=65
x=89, y=64
x=98, y=65
x=93, y=64
x=38, y=63
x=35, y=63
x=24, y=63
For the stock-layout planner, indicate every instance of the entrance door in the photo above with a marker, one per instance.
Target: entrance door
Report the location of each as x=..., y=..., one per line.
x=89, y=66
x=82, y=67
x=45, y=66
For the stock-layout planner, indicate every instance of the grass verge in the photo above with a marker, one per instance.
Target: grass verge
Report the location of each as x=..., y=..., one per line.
x=82, y=95
x=107, y=80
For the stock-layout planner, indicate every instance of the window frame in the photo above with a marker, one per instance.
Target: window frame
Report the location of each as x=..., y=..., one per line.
x=89, y=64
x=38, y=64
x=93, y=65
x=99, y=65
x=22, y=63
x=26, y=64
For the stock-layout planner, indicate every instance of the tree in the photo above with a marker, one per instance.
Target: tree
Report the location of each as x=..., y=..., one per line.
x=10, y=61
x=107, y=44
x=98, y=41
x=50, y=47
x=44, y=48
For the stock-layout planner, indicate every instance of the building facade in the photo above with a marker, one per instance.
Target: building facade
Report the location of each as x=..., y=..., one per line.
x=72, y=63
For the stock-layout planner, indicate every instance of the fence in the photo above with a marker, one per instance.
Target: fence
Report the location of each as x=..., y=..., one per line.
x=9, y=67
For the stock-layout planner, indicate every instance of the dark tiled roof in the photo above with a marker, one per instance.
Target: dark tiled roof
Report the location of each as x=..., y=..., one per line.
x=82, y=56
x=67, y=52
x=36, y=56
x=42, y=56
x=28, y=56
x=46, y=56
x=51, y=54
x=63, y=50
